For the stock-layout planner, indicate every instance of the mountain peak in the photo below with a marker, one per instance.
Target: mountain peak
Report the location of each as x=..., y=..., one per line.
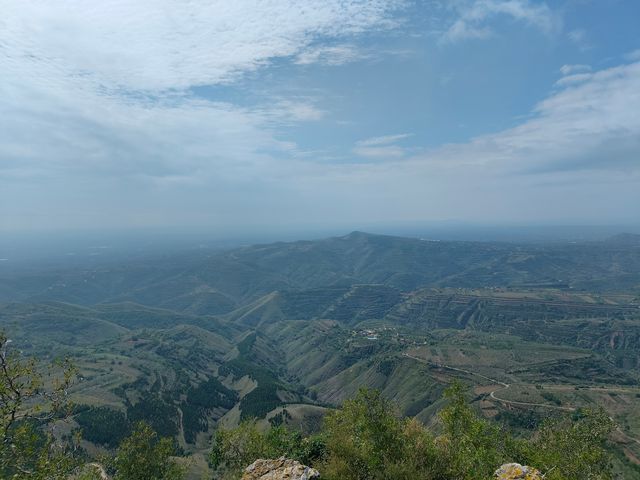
x=357, y=234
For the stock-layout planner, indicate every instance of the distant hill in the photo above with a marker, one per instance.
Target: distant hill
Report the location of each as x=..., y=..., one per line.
x=192, y=341
x=216, y=283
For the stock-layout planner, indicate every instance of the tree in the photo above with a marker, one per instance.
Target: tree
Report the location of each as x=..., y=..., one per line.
x=32, y=398
x=367, y=439
x=573, y=447
x=472, y=446
x=363, y=437
x=144, y=456
x=235, y=449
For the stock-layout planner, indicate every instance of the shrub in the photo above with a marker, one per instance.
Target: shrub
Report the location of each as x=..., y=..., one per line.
x=144, y=456
x=234, y=449
x=367, y=439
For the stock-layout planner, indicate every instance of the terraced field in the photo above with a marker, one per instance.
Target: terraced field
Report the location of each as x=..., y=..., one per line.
x=284, y=332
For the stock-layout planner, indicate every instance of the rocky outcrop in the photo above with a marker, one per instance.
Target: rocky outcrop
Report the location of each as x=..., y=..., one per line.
x=90, y=470
x=515, y=471
x=279, y=469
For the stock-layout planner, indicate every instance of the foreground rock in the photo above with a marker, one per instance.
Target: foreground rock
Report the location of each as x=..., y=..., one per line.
x=515, y=471
x=90, y=470
x=279, y=469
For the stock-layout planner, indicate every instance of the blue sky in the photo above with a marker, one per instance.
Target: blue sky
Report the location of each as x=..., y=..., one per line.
x=245, y=114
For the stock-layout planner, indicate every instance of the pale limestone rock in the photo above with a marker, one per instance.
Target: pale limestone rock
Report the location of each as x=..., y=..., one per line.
x=515, y=471
x=279, y=469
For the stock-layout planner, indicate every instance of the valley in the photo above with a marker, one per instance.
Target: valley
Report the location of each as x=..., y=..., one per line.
x=284, y=332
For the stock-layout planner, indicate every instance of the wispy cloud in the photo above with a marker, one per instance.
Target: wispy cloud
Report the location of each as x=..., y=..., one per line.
x=580, y=143
x=383, y=140
x=633, y=56
x=381, y=148
x=587, y=125
x=573, y=69
x=574, y=79
x=152, y=45
x=332, y=55
x=106, y=86
x=579, y=38
x=384, y=152
x=474, y=18
x=98, y=113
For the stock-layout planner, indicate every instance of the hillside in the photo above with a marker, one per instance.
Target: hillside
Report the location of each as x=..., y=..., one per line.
x=214, y=283
x=194, y=341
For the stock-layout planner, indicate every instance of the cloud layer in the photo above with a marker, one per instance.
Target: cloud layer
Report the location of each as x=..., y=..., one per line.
x=155, y=45
x=576, y=158
x=101, y=121
x=105, y=87
x=572, y=129
x=475, y=17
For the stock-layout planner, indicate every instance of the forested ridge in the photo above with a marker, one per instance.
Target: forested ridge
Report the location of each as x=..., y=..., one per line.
x=366, y=438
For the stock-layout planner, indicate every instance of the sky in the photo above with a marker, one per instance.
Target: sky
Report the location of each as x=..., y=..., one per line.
x=259, y=114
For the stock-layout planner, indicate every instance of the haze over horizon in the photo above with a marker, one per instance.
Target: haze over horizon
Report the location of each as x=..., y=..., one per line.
x=337, y=239
x=331, y=115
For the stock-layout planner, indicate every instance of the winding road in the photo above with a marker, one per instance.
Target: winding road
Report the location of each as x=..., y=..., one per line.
x=492, y=394
x=505, y=386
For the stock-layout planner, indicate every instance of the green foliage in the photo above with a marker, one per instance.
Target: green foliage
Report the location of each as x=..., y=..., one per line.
x=386, y=366
x=144, y=456
x=570, y=448
x=550, y=397
x=200, y=400
x=280, y=418
x=246, y=344
x=156, y=412
x=520, y=419
x=234, y=449
x=363, y=436
x=33, y=454
x=28, y=405
x=367, y=440
x=103, y=425
x=262, y=399
x=563, y=448
x=472, y=446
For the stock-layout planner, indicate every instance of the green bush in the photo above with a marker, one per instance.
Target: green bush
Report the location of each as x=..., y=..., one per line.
x=28, y=408
x=367, y=439
x=234, y=449
x=144, y=456
x=103, y=425
x=572, y=447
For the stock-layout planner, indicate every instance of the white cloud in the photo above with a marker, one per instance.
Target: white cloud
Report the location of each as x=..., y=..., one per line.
x=288, y=111
x=590, y=125
x=462, y=30
x=97, y=115
x=579, y=38
x=332, y=55
x=151, y=45
x=384, y=140
x=384, y=152
x=574, y=79
x=474, y=18
x=381, y=148
x=104, y=86
x=633, y=56
x=573, y=69
x=576, y=159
